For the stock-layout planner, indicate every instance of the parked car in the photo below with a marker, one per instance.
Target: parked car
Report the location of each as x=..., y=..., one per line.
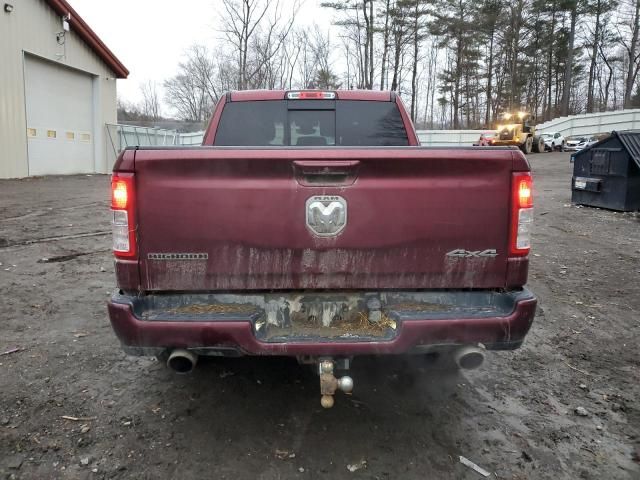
x=553, y=141
x=486, y=139
x=311, y=224
x=576, y=143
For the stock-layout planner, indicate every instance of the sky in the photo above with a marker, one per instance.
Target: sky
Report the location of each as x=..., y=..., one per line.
x=151, y=36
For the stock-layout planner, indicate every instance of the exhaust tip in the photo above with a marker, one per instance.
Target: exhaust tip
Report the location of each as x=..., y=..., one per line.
x=469, y=358
x=182, y=361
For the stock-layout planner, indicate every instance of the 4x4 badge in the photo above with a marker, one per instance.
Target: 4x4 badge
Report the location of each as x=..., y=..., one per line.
x=461, y=253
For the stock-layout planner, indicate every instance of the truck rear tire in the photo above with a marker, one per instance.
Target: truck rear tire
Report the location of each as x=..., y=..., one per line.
x=538, y=145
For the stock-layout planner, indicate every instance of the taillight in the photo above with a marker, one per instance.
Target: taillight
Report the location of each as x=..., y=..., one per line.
x=521, y=214
x=123, y=215
x=119, y=194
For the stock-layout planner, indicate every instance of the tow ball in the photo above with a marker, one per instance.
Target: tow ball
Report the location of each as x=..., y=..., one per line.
x=329, y=383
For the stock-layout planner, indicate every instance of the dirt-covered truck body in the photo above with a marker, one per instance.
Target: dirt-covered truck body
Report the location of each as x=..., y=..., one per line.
x=312, y=224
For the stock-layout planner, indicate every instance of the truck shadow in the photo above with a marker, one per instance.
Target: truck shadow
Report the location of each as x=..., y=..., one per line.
x=254, y=410
x=400, y=377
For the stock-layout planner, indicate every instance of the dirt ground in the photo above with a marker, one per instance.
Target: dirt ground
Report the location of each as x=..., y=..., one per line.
x=261, y=418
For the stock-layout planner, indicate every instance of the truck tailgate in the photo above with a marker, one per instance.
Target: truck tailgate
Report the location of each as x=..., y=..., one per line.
x=215, y=218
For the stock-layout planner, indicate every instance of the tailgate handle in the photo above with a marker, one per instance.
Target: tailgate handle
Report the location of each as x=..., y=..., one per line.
x=332, y=164
x=326, y=172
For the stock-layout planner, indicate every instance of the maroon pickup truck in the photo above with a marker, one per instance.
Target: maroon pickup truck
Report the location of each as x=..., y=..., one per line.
x=311, y=224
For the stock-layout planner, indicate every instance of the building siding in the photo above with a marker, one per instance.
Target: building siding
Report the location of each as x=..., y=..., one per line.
x=31, y=28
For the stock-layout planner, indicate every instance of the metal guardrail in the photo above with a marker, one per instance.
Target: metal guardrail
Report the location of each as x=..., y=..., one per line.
x=194, y=138
x=448, y=138
x=587, y=124
x=593, y=123
x=122, y=136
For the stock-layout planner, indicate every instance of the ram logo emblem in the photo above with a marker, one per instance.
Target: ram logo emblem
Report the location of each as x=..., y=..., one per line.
x=326, y=215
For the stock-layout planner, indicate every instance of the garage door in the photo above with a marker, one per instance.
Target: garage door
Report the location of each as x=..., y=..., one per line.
x=59, y=118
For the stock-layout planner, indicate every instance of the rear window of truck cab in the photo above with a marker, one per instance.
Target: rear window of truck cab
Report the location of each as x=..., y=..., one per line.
x=311, y=123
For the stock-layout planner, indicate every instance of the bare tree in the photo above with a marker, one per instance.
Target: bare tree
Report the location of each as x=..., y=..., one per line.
x=127, y=111
x=456, y=62
x=190, y=92
x=357, y=20
x=306, y=66
x=369, y=21
x=568, y=69
x=386, y=35
x=288, y=59
x=630, y=43
x=321, y=47
x=150, y=106
x=400, y=40
x=257, y=30
x=241, y=20
x=417, y=25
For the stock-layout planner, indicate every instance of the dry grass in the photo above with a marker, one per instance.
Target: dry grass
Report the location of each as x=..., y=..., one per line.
x=199, y=309
x=363, y=323
x=355, y=322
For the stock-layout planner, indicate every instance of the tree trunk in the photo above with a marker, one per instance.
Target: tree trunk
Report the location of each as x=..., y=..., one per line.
x=568, y=68
x=614, y=79
x=487, y=115
x=549, y=110
x=609, y=77
x=516, y=12
x=367, y=43
x=396, y=63
x=244, y=44
x=414, y=71
x=433, y=91
x=370, y=33
x=594, y=57
x=455, y=101
x=385, y=45
x=630, y=80
x=467, y=103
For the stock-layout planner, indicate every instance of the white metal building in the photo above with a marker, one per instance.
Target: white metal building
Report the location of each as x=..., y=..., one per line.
x=57, y=91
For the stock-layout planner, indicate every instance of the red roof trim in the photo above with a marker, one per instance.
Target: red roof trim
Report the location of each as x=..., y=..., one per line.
x=248, y=95
x=89, y=36
x=371, y=95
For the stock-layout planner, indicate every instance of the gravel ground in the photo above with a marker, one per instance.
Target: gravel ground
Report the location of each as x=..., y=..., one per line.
x=261, y=419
